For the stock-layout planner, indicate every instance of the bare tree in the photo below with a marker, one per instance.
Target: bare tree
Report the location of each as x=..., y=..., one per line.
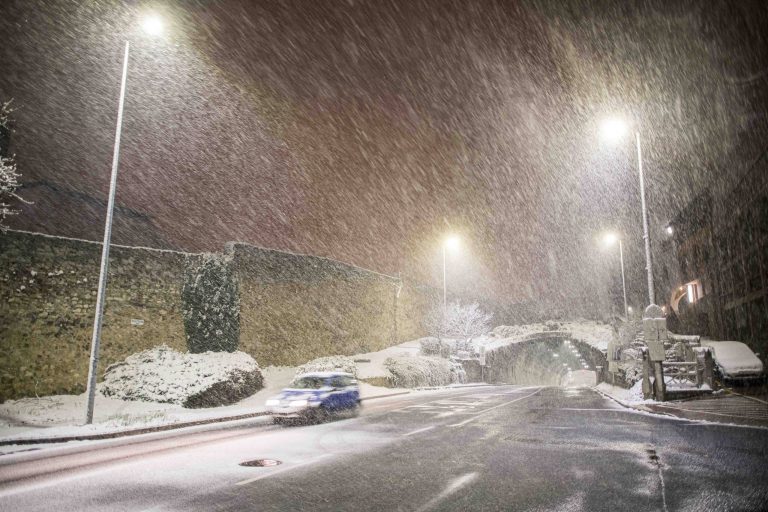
x=459, y=320
x=9, y=178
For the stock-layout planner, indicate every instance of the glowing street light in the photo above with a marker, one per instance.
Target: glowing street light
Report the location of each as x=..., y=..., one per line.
x=152, y=26
x=614, y=129
x=610, y=239
x=451, y=243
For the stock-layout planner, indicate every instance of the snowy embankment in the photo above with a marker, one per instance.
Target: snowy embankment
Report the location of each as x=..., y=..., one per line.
x=63, y=415
x=628, y=397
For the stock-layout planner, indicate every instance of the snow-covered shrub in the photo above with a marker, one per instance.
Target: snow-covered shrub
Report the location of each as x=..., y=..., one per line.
x=460, y=373
x=434, y=347
x=9, y=178
x=165, y=375
x=419, y=371
x=211, y=304
x=329, y=364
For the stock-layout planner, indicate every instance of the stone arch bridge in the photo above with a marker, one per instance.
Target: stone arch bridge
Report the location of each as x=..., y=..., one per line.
x=541, y=358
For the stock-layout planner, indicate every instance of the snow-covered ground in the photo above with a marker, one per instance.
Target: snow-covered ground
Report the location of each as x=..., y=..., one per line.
x=631, y=396
x=371, y=364
x=62, y=415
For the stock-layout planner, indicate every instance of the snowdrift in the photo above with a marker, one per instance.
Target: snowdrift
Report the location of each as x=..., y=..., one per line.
x=164, y=375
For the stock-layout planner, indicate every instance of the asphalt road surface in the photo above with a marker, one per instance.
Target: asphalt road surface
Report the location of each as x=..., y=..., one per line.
x=484, y=448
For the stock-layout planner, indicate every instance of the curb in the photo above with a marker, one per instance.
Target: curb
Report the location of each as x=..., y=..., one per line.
x=149, y=430
x=681, y=414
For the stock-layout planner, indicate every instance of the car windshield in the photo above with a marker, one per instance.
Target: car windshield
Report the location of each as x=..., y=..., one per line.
x=308, y=383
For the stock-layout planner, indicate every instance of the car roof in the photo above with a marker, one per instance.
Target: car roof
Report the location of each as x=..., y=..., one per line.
x=325, y=375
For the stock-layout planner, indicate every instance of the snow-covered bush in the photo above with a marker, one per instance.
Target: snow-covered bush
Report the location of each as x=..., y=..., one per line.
x=9, y=178
x=165, y=375
x=329, y=364
x=419, y=371
x=211, y=304
x=434, y=347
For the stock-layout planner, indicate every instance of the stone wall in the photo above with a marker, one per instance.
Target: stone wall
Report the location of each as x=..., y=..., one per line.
x=293, y=308
x=47, y=302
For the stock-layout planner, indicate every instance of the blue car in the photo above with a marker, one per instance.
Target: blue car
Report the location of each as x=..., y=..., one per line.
x=316, y=396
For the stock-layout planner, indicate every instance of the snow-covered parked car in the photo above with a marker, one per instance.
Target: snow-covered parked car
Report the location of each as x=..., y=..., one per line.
x=316, y=396
x=735, y=361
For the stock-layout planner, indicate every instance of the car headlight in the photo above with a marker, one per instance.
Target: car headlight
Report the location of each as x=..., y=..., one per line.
x=298, y=403
x=273, y=401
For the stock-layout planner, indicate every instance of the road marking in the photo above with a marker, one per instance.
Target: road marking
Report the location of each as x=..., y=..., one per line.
x=452, y=487
x=419, y=430
x=494, y=407
x=282, y=470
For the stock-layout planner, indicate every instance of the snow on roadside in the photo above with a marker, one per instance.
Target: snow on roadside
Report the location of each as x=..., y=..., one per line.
x=63, y=415
x=631, y=396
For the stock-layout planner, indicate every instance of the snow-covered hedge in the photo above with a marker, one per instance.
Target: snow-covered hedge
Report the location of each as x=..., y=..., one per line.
x=419, y=371
x=329, y=364
x=165, y=375
x=434, y=347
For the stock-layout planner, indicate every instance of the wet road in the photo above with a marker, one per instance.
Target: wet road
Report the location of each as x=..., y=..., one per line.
x=485, y=448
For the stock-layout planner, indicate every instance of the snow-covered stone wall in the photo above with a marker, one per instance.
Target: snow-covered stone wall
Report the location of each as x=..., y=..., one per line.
x=291, y=308
x=294, y=308
x=47, y=300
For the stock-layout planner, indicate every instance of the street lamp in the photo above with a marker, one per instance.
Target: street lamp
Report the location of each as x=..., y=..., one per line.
x=153, y=26
x=452, y=243
x=610, y=239
x=614, y=129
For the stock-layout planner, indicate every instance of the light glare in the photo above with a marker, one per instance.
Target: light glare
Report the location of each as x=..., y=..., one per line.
x=452, y=242
x=152, y=25
x=613, y=129
x=610, y=238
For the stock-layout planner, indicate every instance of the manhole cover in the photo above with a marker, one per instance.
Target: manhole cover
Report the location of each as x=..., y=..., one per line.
x=261, y=463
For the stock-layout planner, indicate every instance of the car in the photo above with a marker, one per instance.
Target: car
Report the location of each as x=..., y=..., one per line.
x=735, y=361
x=314, y=397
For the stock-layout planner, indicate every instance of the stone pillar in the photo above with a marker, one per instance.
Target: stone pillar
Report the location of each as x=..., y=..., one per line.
x=655, y=332
x=647, y=375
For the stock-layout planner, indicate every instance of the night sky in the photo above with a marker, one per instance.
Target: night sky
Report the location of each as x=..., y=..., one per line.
x=366, y=131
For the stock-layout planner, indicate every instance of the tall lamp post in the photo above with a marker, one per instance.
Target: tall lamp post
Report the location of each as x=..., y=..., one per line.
x=153, y=26
x=610, y=239
x=614, y=129
x=452, y=242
